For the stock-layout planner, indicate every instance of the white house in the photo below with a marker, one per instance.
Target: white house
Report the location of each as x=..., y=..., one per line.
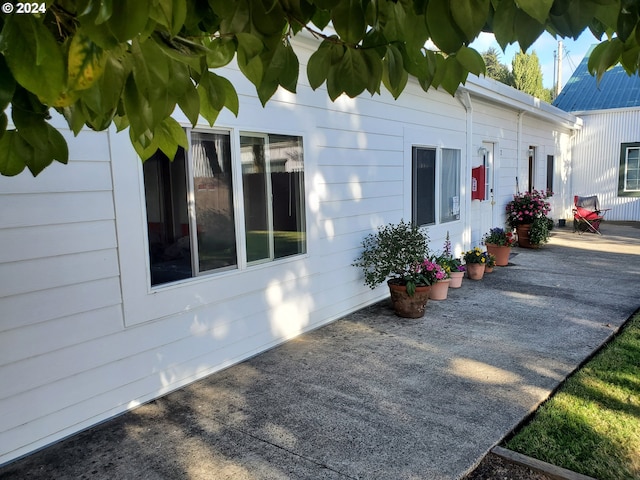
x=606, y=150
x=121, y=282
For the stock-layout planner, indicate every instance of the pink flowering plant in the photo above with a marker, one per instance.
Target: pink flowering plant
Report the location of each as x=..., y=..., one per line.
x=528, y=206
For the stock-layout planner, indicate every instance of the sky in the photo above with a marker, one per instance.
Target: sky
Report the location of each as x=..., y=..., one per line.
x=545, y=47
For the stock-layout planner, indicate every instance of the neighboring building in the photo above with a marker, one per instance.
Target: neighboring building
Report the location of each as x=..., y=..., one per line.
x=606, y=151
x=122, y=282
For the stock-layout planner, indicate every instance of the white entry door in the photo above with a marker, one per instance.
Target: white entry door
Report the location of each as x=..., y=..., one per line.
x=483, y=211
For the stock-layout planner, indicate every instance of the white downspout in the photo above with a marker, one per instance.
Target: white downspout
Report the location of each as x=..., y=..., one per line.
x=521, y=114
x=465, y=100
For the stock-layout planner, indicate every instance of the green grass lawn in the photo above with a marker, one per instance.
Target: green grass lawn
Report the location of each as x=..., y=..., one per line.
x=592, y=424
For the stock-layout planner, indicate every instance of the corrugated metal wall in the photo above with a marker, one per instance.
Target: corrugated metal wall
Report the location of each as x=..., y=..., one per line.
x=596, y=159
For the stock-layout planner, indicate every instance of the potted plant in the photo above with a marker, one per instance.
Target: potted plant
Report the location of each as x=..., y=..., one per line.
x=475, y=262
x=490, y=263
x=499, y=242
x=397, y=253
x=524, y=209
x=440, y=288
x=539, y=232
x=453, y=265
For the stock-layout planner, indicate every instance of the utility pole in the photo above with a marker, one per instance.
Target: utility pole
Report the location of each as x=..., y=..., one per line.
x=559, y=69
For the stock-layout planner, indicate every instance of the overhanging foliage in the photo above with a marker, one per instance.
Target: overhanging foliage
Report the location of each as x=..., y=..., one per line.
x=132, y=62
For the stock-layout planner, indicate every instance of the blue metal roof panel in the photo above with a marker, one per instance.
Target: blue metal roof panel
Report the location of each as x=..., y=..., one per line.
x=615, y=90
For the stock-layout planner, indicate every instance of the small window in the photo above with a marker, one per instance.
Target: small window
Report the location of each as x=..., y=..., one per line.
x=436, y=185
x=450, y=186
x=424, y=186
x=550, y=172
x=629, y=179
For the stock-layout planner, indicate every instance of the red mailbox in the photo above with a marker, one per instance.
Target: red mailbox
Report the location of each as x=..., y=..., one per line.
x=477, y=183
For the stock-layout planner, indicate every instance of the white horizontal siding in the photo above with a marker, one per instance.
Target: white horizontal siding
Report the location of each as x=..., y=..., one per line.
x=44, y=305
x=24, y=210
x=26, y=243
x=61, y=287
x=100, y=340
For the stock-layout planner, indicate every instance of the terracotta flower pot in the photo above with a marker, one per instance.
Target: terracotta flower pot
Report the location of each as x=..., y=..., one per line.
x=523, y=236
x=501, y=253
x=475, y=271
x=440, y=289
x=456, y=279
x=408, y=306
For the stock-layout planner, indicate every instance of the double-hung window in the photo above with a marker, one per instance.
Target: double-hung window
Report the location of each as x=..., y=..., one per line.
x=629, y=179
x=435, y=185
x=192, y=202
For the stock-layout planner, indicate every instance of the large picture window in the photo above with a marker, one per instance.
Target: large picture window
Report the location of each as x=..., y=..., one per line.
x=436, y=185
x=629, y=179
x=191, y=223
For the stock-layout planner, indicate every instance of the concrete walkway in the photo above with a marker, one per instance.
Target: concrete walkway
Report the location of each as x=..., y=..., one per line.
x=373, y=396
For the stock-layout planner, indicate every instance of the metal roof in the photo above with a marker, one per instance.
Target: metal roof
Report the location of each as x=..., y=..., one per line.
x=615, y=90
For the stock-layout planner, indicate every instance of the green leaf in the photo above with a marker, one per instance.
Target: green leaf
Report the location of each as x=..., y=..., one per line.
x=444, y=32
x=319, y=64
x=348, y=20
x=7, y=84
x=527, y=29
x=630, y=59
x=470, y=16
x=216, y=92
x=170, y=13
x=55, y=149
x=604, y=56
x=137, y=108
x=627, y=20
x=281, y=69
x=33, y=56
x=13, y=151
x=249, y=62
x=268, y=19
x=234, y=15
x=220, y=52
x=75, y=117
x=4, y=122
x=170, y=135
x=349, y=75
x=454, y=75
x=394, y=76
x=538, y=9
x=471, y=60
x=321, y=18
x=190, y=104
x=503, y=23
x=375, y=69
x=128, y=19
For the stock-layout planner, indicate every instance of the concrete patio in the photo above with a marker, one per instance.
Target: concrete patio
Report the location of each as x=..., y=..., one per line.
x=374, y=396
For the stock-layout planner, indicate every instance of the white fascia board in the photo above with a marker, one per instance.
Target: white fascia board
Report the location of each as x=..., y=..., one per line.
x=499, y=93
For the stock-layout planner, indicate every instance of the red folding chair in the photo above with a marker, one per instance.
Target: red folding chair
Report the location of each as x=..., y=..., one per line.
x=587, y=214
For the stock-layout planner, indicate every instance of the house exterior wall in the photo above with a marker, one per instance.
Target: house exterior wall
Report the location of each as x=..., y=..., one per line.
x=512, y=133
x=596, y=149
x=83, y=335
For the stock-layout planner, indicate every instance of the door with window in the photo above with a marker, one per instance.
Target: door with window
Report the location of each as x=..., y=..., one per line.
x=483, y=212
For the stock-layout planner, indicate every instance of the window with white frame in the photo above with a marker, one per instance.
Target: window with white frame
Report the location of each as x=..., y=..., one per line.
x=435, y=185
x=629, y=179
x=191, y=201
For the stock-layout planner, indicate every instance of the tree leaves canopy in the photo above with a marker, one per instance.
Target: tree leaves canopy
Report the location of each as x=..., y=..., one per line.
x=131, y=63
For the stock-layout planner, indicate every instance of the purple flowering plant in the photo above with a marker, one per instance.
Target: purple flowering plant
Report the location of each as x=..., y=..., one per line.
x=447, y=260
x=528, y=206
